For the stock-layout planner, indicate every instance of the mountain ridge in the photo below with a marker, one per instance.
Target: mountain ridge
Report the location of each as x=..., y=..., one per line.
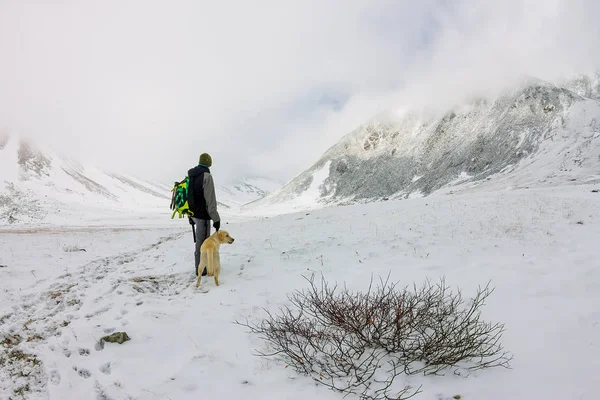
x=541, y=129
x=36, y=185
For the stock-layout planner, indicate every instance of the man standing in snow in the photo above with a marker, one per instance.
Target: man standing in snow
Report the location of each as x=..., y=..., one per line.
x=202, y=201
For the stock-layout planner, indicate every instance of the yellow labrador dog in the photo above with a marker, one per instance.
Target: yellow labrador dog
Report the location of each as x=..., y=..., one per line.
x=209, y=255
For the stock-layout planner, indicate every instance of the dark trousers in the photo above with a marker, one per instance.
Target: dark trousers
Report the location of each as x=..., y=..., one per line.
x=202, y=233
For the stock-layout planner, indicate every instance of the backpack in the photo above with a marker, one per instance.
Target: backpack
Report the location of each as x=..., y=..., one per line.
x=179, y=199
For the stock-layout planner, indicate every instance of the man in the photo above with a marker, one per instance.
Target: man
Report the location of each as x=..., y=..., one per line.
x=202, y=201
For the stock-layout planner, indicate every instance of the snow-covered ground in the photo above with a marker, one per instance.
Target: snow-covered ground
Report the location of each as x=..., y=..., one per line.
x=538, y=247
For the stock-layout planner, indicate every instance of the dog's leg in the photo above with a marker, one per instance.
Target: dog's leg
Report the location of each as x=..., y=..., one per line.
x=217, y=268
x=201, y=266
x=211, y=262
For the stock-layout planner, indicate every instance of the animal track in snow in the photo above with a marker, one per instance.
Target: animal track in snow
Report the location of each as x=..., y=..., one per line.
x=55, y=377
x=46, y=315
x=98, y=312
x=84, y=352
x=84, y=373
x=105, y=368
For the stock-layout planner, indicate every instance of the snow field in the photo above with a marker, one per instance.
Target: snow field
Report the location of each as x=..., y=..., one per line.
x=537, y=247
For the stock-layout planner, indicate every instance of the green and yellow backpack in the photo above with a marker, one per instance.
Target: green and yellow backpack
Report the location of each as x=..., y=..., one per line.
x=179, y=199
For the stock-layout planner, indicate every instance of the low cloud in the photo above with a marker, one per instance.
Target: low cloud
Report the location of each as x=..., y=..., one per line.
x=267, y=86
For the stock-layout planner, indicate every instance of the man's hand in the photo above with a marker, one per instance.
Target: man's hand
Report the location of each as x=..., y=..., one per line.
x=217, y=225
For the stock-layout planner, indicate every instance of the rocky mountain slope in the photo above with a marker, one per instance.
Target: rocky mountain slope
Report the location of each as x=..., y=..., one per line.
x=535, y=134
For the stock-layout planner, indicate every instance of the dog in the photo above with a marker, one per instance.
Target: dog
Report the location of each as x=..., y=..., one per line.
x=209, y=255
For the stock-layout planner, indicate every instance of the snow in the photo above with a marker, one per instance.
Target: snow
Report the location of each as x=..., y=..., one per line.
x=67, y=192
x=8, y=162
x=538, y=247
x=463, y=176
x=244, y=190
x=309, y=199
x=530, y=134
x=313, y=193
x=266, y=184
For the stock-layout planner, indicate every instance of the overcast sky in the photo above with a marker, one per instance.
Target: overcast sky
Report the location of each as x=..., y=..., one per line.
x=265, y=87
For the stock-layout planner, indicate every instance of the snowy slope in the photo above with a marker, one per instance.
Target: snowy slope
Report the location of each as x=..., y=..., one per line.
x=585, y=85
x=55, y=189
x=538, y=247
x=42, y=187
x=245, y=190
x=536, y=134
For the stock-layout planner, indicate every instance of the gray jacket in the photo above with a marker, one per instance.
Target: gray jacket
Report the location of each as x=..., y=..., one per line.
x=211, y=197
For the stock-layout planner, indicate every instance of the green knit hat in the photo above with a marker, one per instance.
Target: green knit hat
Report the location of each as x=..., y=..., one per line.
x=205, y=159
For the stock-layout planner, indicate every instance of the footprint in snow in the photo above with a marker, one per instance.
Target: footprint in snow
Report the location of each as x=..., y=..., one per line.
x=84, y=373
x=55, y=377
x=71, y=317
x=105, y=368
x=84, y=352
x=98, y=312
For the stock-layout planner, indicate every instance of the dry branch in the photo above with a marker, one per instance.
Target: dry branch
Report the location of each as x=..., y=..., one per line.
x=360, y=342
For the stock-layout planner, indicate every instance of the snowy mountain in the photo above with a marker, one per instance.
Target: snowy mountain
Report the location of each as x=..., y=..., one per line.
x=585, y=85
x=245, y=190
x=38, y=187
x=535, y=134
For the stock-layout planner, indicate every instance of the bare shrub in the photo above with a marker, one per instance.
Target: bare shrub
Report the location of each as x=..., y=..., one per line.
x=359, y=343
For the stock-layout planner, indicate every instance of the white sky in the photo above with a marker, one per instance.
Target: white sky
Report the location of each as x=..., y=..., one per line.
x=264, y=86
